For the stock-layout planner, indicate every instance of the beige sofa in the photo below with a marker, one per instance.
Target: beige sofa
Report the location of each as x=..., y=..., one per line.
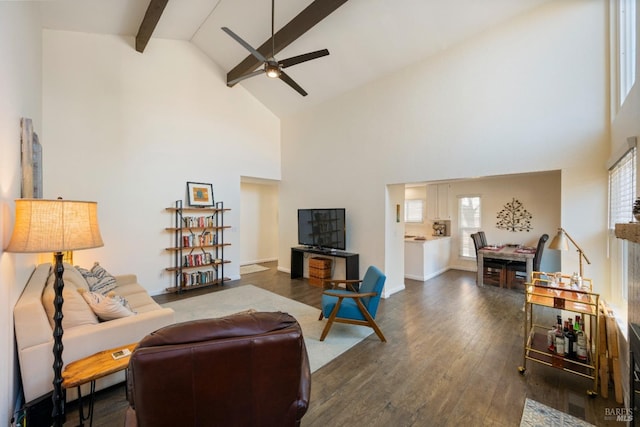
x=84, y=333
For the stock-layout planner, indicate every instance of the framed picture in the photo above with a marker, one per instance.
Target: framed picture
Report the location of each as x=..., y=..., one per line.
x=200, y=194
x=31, y=161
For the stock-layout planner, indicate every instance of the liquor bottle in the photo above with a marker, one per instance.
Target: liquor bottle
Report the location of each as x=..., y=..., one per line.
x=581, y=343
x=559, y=342
x=551, y=339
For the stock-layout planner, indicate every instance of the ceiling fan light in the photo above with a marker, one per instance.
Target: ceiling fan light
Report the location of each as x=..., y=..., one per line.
x=272, y=71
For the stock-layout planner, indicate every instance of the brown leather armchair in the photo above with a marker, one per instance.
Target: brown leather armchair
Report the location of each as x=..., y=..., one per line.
x=248, y=369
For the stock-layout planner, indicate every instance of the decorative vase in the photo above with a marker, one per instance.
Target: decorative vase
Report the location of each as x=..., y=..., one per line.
x=636, y=209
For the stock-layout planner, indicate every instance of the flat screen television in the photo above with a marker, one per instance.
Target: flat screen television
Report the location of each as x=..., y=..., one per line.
x=322, y=228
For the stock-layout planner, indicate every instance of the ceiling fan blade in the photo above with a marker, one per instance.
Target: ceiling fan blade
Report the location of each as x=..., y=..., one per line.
x=246, y=76
x=303, y=58
x=288, y=80
x=246, y=45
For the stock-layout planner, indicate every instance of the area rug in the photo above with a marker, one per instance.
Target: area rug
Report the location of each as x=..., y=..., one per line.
x=216, y=304
x=535, y=414
x=251, y=268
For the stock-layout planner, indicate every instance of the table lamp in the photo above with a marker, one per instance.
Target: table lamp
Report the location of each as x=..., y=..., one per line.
x=560, y=243
x=55, y=226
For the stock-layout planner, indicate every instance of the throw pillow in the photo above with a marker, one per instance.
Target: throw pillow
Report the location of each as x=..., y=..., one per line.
x=71, y=274
x=107, y=307
x=75, y=310
x=98, y=279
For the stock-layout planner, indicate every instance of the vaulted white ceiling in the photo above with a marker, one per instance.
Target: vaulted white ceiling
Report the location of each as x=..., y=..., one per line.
x=367, y=39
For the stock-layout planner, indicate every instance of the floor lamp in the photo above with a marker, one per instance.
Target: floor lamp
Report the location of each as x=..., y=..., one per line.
x=560, y=243
x=55, y=226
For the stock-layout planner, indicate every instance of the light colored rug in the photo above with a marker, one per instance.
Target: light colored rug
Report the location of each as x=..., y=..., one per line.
x=216, y=304
x=251, y=268
x=535, y=414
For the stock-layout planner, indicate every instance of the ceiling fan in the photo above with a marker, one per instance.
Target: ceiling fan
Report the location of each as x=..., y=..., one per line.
x=271, y=66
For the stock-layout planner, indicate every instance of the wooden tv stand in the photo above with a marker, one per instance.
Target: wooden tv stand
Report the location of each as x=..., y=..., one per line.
x=351, y=260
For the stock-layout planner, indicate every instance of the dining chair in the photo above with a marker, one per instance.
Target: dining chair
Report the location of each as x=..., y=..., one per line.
x=483, y=238
x=494, y=270
x=517, y=270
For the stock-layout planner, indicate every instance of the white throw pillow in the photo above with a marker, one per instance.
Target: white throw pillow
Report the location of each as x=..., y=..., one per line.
x=107, y=307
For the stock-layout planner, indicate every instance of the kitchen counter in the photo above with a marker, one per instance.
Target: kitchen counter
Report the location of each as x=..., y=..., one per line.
x=426, y=239
x=424, y=259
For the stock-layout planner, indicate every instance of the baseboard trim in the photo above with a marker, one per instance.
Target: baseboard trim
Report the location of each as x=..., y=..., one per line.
x=427, y=277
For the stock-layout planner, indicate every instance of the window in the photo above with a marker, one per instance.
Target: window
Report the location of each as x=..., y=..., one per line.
x=413, y=210
x=626, y=27
x=622, y=190
x=468, y=223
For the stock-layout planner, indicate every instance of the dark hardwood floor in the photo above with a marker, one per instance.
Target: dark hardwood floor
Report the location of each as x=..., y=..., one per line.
x=451, y=359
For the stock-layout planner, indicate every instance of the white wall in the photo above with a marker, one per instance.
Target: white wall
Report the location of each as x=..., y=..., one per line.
x=394, y=240
x=530, y=95
x=129, y=130
x=258, y=221
x=20, y=93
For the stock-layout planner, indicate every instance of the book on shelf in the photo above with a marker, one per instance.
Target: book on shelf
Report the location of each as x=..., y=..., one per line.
x=195, y=260
x=197, y=278
x=198, y=221
x=205, y=239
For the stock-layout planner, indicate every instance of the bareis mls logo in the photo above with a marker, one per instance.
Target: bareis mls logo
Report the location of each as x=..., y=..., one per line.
x=618, y=414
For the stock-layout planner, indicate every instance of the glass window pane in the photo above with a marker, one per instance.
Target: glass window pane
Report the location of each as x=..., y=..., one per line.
x=413, y=210
x=468, y=223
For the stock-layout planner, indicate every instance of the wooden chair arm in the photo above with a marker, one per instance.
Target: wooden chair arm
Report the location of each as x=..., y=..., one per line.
x=349, y=294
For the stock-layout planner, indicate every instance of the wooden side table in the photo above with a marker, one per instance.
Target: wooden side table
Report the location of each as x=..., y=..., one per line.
x=90, y=369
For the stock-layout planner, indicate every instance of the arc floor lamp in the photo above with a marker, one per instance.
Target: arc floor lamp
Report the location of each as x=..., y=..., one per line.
x=55, y=226
x=561, y=242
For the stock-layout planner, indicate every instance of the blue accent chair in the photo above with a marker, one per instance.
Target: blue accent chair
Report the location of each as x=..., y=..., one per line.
x=357, y=304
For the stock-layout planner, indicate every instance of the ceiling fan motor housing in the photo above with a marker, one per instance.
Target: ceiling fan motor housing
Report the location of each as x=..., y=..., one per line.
x=272, y=68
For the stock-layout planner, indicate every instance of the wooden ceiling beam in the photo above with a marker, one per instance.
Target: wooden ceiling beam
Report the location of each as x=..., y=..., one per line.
x=303, y=22
x=149, y=22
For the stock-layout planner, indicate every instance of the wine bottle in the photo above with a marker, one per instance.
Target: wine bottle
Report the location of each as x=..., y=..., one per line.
x=572, y=339
x=567, y=339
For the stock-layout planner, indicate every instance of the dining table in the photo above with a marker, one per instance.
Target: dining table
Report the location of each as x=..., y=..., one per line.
x=506, y=252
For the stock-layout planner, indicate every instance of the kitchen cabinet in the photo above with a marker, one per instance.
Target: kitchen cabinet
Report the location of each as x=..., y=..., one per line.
x=438, y=201
x=424, y=259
